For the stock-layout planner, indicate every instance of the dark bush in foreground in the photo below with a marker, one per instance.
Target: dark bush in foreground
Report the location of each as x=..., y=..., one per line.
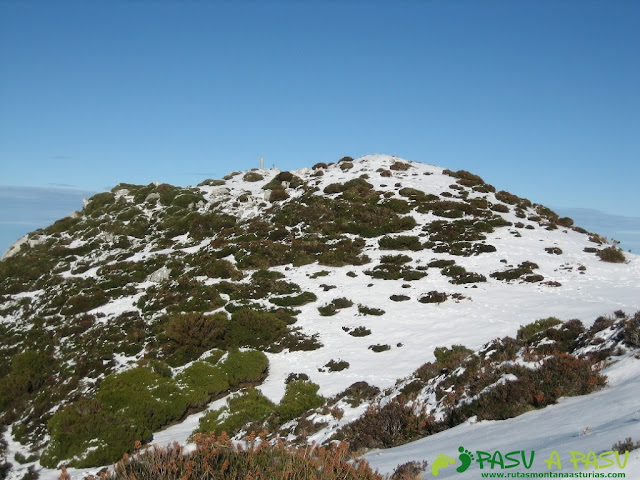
x=388, y=426
x=221, y=459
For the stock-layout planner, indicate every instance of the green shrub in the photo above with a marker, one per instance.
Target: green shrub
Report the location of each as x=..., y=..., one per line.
x=252, y=177
x=397, y=205
x=451, y=356
x=248, y=367
x=612, y=255
x=344, y=166
x=337, y=366
x=507, y=197
x=395, y=259
x=212, y=183
x=560, y=375
x=335, y=305
x=391, y=271
x=205, y=264
x=142, y=395
x=401, y=166
x=379, y=348
x=299, y=396
x=240, y=412
x=525, y=268
x=187, y=336
x=401, y=242
x=441, y=263
x=342, y=302
x=89, y=299
x=434, y=297
x=294, y=301
x=391, y=425
x=22, y=459
x=358, y=392
x=29, y=372
x=631, y=332
x=364, y=310
x=79, y=428
x=181, y=295
x=128, y=407
x=277, y=195
x=186, y=199
x=201, y=382
x=465, y=178
x=500, y=207
x=255, y=329
x=399, y=298
x=360, y=331
x=96, y=204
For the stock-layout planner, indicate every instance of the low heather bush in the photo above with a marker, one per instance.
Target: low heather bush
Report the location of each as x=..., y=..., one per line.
x=217, y=457
x=611, y=255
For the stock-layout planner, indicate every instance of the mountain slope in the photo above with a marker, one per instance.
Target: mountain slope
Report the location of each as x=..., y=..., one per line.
x=149, y=279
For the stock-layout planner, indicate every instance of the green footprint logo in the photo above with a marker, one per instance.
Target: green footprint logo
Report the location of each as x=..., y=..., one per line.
x=466, y=457
x=442, y=461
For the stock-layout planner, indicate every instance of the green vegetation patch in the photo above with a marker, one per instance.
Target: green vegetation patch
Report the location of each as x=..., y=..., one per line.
x=299, y=397
x=247, y=367
x=364, y=310
x=256, y=329
x=295, y=300
x=187, y=336
x=401, y=242
x=395, y=271
x=240, y=413
x=181, y=295
x=335, y=305
x=252, y=177
x=360, y=331
x=337, y=365
x=201, y=382
x=611, y=255
x=460, y=276
x=128, y=407
x=523, y=270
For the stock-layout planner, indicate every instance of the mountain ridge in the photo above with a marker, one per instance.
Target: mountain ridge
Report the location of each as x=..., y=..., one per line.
x=354, y=271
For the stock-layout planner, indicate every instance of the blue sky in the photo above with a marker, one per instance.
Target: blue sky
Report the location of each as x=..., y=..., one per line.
x=540, y=98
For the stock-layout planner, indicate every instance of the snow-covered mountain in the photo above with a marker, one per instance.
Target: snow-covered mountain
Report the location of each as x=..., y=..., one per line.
x=340, y=274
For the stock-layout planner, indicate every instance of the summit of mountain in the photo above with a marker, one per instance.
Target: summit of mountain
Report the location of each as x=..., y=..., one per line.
x=156, y=302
